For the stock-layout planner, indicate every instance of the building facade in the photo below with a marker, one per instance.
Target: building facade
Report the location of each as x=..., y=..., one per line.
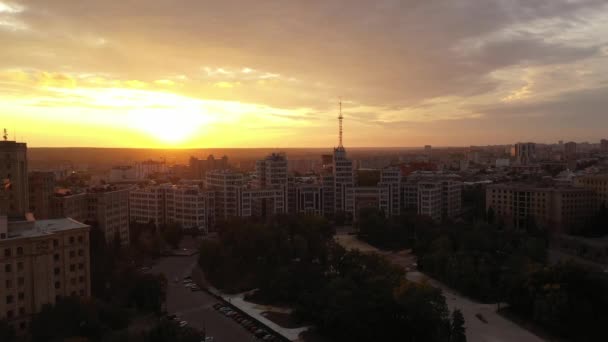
x=41, y=261
x=41, y=188
x=14, y=189
x=556, y=209
x=226, y=184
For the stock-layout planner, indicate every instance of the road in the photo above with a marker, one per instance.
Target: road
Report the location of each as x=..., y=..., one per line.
x=497, y=328
x=196, y=307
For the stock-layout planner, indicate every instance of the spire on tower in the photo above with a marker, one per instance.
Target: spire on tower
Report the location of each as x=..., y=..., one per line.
x=340, y=119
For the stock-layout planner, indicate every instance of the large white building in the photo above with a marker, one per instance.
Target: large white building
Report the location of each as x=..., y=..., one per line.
x=226, y=184
x=107, y=207
x=271, y=171
x=188, y=205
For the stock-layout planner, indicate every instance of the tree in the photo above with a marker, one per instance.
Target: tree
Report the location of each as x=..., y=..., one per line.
x=173, y=233
x=7, y=332
x=457, y=332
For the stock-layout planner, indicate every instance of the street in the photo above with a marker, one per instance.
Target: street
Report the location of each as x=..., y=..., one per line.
x=196, y=307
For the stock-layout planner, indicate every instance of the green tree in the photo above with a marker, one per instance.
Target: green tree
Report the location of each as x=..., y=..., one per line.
x=457, y=332
x=172, y=233
x=7, y=332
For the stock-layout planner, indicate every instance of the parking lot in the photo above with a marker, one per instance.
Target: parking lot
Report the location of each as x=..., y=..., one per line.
x=196, y=307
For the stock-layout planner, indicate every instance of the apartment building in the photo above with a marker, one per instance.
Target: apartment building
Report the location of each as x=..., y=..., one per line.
x=597, y=183
x=41, y=261
x=41, y=191
x=557, y=209
x=106, y=206
x=14, y=197
x=188, y=205
x=344, y=178
x=226, y=184
x=271, y=171
x=266, y=202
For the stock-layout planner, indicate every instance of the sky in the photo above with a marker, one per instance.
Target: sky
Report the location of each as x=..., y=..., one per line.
x=270, y=73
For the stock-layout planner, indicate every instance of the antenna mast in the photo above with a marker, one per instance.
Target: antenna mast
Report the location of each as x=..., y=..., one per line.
x=5, y=136
x=340, y=119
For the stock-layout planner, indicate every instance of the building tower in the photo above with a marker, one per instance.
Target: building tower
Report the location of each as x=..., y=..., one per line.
x=343, y=172
x=13, y=177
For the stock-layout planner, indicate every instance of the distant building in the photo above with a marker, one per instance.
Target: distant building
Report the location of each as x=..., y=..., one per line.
x=344, y=178
x=570, y=150
x=123, y=173
x=434, y=194
x=200, y=167
x=596, y=183
x=428, y=150
x=14, y=189
x=271, y=171
x=524, y=153
x=41, y=262
x=309, y=199
x=264, y=202
x=604, y=145
x=105, y=206
x=227, y=185
x=557, y=209
x=147, y=168
x=188, y=205
x=41, y=188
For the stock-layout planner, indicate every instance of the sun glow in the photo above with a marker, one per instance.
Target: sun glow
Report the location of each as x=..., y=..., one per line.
x=168, y=125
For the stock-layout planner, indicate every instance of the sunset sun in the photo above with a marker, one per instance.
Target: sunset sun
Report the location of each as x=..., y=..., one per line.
x=167, y=126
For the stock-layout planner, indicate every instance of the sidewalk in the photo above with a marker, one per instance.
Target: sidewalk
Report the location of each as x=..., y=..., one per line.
x=254, y=310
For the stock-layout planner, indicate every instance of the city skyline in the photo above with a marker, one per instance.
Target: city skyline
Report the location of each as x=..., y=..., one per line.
x=197, y=74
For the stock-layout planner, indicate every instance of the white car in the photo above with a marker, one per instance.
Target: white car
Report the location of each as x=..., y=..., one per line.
x=183, y=324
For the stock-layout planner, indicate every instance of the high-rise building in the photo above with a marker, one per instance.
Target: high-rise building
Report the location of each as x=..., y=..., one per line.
x=42, y=188
x=227, y=185
x=42, y=260
x=262, y=202
x=309, y=199
x=432, y=194
x=524, y=153
x=190, y=206
x=390, y=181
x=271, y=171
x=604, y=145
x=570, y=150
x=107, y=207
x=200, y=167
x=14, y=190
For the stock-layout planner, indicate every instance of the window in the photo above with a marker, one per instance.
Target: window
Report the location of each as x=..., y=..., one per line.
x=72, y=267
x=73, y=281
x=57, y=285
x=22, y=326
x=19, y=250
x=81, y=266
x=21, y=311
x=7, y=268
x=21, y=281
x=72, y=254
x=55, y=243
x=21, y=295
x=81, y=279
x=7, y=252
x=9, y=283
x=9, y=314
x=56, y=257
x=71, y=240
x=9, y=299
x=19, y=266
x=57, y=270
x=80, y=239
x=80, y=252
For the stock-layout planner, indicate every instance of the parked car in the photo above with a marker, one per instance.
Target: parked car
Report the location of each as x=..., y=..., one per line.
x=217, y=306
x=183, y=324
x=260, y=333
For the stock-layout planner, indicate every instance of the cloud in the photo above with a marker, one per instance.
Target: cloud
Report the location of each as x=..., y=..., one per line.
x=402, y=65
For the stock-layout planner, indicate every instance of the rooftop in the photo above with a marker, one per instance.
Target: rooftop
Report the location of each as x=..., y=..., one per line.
x=25, y=229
